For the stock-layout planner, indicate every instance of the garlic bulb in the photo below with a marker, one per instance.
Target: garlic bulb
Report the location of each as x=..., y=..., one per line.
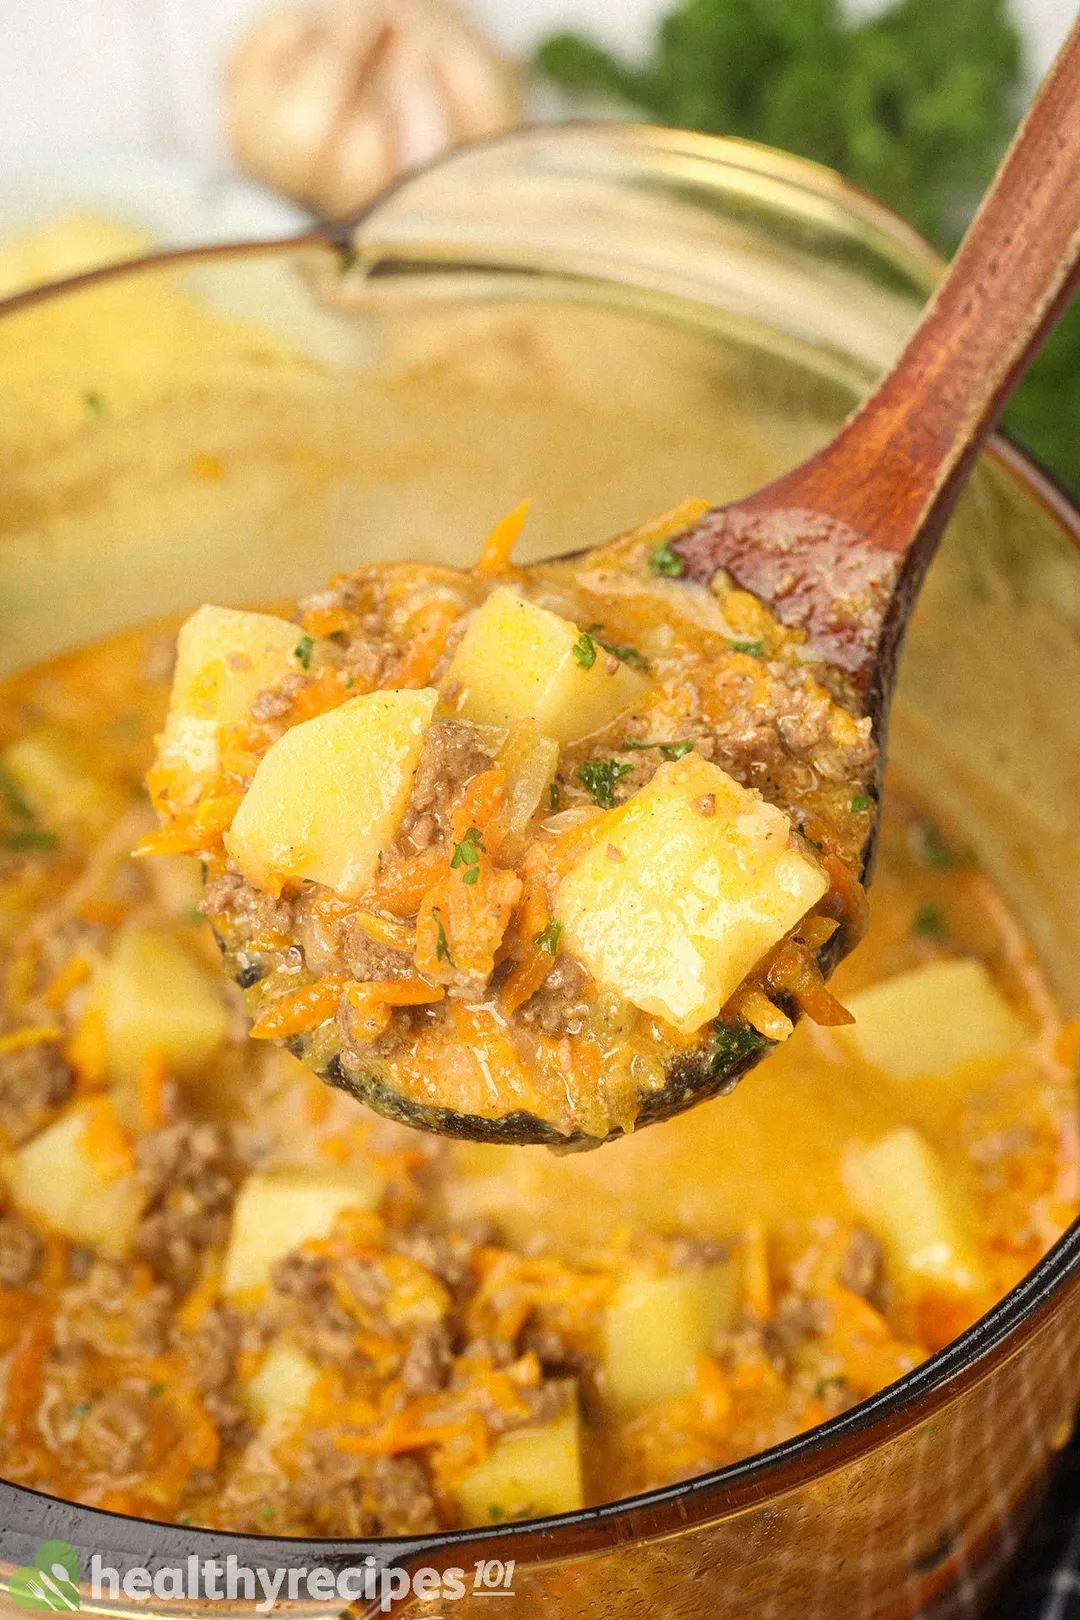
x=328, y=103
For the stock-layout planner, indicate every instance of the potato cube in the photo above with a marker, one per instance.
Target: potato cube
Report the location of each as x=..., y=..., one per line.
x=932, y=1019
x=224, y=658
x=49, y=770
x=77, y=1176
x=658, y=1326
x=156, y=996
x=516, y=660
x=527, y=1473
x=707, y=882
x=329, y=795
x=282, y=1386
x=904, y=1193
x=277, y=1210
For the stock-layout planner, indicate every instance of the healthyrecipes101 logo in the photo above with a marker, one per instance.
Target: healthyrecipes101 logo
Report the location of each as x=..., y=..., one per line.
x=51, y=1581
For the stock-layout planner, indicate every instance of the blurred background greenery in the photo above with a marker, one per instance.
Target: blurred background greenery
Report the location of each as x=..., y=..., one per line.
x=915, y=103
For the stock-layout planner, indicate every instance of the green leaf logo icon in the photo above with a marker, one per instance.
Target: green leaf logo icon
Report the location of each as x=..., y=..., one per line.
x=50, y=1582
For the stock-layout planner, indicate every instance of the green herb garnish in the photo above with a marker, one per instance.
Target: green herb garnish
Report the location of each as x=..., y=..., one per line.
x=304, y=649
x=95, y=405
x=466, y=856
x=442, y=944
x=584, y=650
x=670, y=750
x=665, y=562
x=625, y=655
x=754, y=648
x=930, y=848
x=28, y=838
x=14, y=797
x=861, y=803
x=731, y=1043
x=601, y=778
x=554, y=795
x=156, y=1391
x=930, y=922
x=548, y=938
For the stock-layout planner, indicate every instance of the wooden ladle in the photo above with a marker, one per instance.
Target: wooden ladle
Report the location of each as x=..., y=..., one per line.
x=839, y=546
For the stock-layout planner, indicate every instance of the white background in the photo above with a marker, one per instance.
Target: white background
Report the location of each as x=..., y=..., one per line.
x=80, y=76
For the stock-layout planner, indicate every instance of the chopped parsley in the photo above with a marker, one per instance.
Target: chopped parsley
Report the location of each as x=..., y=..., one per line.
x=554, y=795
x=930, y=848
x=442, y=944
x=601, y=777
x=304, y=649
x=861, y=803
x=466, y=856
x=584, y=650
x=625, y=655
x=156, y=1391
x=94, y=404
x=754, y=648
x=665, y=562
x=930, y=922
x=670, y=750
x=28, y=838
x=548, y=938
x=732, y=1043
x=14, y=797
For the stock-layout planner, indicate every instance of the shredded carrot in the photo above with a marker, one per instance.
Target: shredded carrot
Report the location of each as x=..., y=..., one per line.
x=329, y=621
x=757, y=1286
x=792, y=968
x=372, y=1003
x=480, y=802
x=525, y=980
x=75, y=971
x=401, y=888
x=26, y=1377
x=327, y=691
x=152, y=1090
x=106, y=1141
x=386, y=931
x=427, y=633
x=495, y=557
x=18, y=1040
x=87, y=1052
x=201, y=831
x=300, y=1010
x=760, y=1013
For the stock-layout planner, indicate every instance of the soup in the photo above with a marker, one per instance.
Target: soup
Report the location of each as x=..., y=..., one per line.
x=230, y=1297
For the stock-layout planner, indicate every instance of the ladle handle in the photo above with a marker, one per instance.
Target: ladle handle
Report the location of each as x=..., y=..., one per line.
x=894, y=470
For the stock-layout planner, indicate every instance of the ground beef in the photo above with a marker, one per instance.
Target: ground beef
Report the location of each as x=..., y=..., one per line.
x=695, y=1253
x=863, y=1268
x=110, y=1313
x=113, y=1433
x=557, y=1357
x=190, y=1175
x=366, y=959
x=212, y=1352
x=401, y=1497
x=21, y=1252
x=303, y=1302
x=251, y=913
x=559, y=1006
x=275, y=701
x=34, y=1084
x=453, y=754
x=447, y=1254
x=427, y=1362
x=358, y=1497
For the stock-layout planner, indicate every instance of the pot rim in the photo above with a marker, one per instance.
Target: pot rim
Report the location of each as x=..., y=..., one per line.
x=767, y=1475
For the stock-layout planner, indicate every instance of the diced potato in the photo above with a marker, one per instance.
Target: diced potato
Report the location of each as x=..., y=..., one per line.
x=658, y=1326
x=706, y=884
x=282, y=1386
x=527, y=1473
x=329, y=795
x=224, y=658
x=155, y=995
x=902, y=1190
x=932, y=1019
x=77, y=1176
x=58, y=784
x=516, y=660
x=279, y=1209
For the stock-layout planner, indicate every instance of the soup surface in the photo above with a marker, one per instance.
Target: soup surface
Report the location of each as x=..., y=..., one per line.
x=231, y=1297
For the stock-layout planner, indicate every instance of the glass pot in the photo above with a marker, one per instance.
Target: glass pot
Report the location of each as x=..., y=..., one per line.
x=608, y=318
